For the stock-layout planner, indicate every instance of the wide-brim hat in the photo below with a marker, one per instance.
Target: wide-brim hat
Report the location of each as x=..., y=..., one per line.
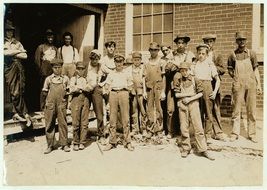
x=154, y=45
x=241, y=35
x=183, y=37
x=209, y=36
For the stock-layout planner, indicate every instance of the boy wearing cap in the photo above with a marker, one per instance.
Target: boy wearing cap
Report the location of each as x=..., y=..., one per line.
x=205, y=71
x=154, y=89
x=79, y=106
x=119, y=84
x=243, y=68
x=93, y=77
x=137, y=105
x=55, y=90
x=69, y=54
x=188, y=90
x=43, y=55
x=14, y=53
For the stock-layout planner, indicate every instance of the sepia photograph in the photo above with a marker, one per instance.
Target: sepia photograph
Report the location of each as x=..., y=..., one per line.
x=132, y=94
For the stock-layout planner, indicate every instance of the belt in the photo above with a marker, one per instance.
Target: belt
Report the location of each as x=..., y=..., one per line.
x=119, y=90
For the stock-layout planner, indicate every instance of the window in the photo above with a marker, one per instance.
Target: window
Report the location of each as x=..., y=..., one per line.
x=152, y=22
x=261, y=25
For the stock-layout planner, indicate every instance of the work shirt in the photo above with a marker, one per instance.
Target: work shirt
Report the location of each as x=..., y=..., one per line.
x=204, y=70
x=107, y=64
x=217, y=59
x=66, y=53
x=55, y=79
x=77, y=83
x=119, y=80
x=137, y=73
x=93, y=75
x=186, y=56
x=185, y=82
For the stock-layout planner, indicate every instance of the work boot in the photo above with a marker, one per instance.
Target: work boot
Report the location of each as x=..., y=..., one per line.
x=184, y=154
x=233, y=137
x=48, y=150
x=149, y=135
x=130, y=147
x=253, y=139
x=75, y=147
x=66, y=148
x=169, y=136
x=221, y=137
x=208, y=139
x=108, y=147
x=81, y=146
x=207, y=155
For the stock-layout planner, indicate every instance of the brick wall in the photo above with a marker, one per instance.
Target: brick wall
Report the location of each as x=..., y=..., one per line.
x=223, y=20
x=114, y=26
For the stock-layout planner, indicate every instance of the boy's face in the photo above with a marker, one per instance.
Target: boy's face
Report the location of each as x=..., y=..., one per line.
x=9, y=33
x=50, y=39
x=80, y=71
x=209, y=42
x=184, y=72
x=137, y=61
x=154, y=52
x=165, y=51
x=241, y=43
x=57, y=69
x=119, y=65
x=111, y=49
x=181, y=45
x=202, y=54
x=67, y=40
x=95, y=61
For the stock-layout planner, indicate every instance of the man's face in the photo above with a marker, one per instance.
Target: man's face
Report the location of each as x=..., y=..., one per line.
x=80, y=71
x=154, y=52
x=241, y=43
x=111, y=49
x=95, y=61
x=181, y=45
x=119, y=65
x=57, y=69
x=50, y=39
x=202, y=54
x=9, y=33
x=209, y=42
x=184, y=72
x=165, y=51
x=137, y=61
x=67, y=40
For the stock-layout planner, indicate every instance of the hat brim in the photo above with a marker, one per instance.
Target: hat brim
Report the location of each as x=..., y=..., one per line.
x=186, y=39
x=241, y=38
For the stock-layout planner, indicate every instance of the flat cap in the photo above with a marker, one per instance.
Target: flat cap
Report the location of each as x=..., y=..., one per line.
x=184, y=65
x=80, y=64
x=241, y=35
x=183, y=37
x=209, y=36
x=96, y=52
x=202, y=45
x=153, y=45
x=56, y=62
x=136, y=54
x=110, y=43
x=119, y=57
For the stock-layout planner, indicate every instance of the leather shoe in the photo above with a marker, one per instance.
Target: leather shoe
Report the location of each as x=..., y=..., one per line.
x=66, y=149
x=48, y=150
x=81, y=146
x=207, y=155
x=253, y=139
x=108, y=147
x=184, y=154
x=221, y=137
x=75, y=147
x=233, y=138
x=130, y=147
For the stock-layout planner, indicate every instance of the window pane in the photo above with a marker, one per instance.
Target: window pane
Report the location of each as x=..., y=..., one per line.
x=262, y=14
x=157, y=23
x=137, y=25
x=167, y=38
x=147, y=23
x=137, y=43
x=167, y=22
x=146, y=42
x=137, y=9
x=157, y=38
x=157, y=8
x=262, y=37
x=147, y=8
x=168, y=7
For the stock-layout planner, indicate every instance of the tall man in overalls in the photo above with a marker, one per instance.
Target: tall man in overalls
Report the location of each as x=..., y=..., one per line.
x=243, y=68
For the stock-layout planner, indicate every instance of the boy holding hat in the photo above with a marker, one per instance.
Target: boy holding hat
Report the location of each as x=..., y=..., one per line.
x=243, y=68
x=188, y=90
x=205, y=71
x=119, y=84
x=154, y=89
x=79, y=106
x=55, y=91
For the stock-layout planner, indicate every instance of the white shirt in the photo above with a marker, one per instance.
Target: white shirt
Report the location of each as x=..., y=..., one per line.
x=119, y=80
x=67, y=54
x=204, y=70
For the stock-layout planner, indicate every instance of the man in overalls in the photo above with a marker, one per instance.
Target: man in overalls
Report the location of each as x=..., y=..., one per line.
x=55, y=91
x=243, y=68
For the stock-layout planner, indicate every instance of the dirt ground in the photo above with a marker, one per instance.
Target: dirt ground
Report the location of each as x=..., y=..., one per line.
x=237, y=163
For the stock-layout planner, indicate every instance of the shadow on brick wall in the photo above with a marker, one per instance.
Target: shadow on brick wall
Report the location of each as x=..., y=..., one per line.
x=226, y=106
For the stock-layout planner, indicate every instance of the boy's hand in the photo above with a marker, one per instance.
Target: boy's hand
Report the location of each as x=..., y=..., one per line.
x=162, y=96
x=212, y=96
x=186, y=100
x=145, y=95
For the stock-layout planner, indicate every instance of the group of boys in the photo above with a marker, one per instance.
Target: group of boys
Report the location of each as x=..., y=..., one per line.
x=133, y=93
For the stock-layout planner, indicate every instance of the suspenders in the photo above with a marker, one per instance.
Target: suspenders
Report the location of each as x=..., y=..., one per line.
x=73, y=56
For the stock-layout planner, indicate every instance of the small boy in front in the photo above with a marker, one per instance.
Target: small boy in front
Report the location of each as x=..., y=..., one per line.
x=55, y=92
x=188, y=91
x=79, y=107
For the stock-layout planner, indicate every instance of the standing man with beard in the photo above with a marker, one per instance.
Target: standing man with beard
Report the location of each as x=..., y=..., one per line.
x=43, y=56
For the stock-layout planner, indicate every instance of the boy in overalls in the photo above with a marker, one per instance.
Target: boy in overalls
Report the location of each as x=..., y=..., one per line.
x=188, y=91
x=55, y=91
x=79, y=107
x=243, y=68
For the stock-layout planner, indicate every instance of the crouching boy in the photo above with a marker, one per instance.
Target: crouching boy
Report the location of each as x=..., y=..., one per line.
x=188, y=91
x=55, y=91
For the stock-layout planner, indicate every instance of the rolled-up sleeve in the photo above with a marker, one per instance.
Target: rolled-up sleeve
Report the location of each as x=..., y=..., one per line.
x=254, y=60
x=199, y=86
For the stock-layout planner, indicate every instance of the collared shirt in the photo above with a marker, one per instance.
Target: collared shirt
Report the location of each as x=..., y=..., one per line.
x=137, y=73
x=55, y=79
x=185, y=82
x=241, y=55
x=13, y=44
x=119, y=80
x=93, y=75
x=107, y=64
x=68, y=55
x=204, y=70
x=77, y=83
x=187, y=56
x=217, y=59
